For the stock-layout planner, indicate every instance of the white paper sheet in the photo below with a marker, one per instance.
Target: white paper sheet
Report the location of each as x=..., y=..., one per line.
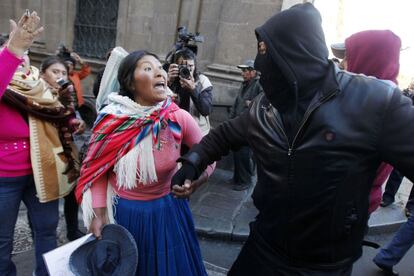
x=57, y=260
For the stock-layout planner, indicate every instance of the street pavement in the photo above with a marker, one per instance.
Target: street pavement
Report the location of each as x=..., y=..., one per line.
x=221, y=217
x=221, y=212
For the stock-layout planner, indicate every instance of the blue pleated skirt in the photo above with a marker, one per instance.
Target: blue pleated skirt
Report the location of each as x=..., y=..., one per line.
x=165, y=235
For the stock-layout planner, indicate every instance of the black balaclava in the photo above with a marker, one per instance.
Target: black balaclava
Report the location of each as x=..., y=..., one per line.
x=276, y=88
x=294, y=63
x=274, y=84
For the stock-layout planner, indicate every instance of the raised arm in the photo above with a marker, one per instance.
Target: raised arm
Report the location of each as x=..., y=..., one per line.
x=22, y=35
x=8, y=65
x=397, y=136
x=85, y=68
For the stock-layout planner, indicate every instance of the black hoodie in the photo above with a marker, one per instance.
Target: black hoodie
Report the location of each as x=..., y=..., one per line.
x=312, y=193
x=295, y=63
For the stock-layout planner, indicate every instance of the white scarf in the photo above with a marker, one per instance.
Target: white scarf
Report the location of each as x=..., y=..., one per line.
x=140, y=160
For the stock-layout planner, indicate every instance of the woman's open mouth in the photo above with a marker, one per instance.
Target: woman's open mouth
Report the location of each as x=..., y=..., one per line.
x=160, y=85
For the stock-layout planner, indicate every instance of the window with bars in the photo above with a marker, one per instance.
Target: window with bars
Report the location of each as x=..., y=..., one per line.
x=95, y=27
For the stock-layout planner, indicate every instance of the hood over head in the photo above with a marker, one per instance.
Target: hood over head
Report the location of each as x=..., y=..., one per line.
x=374, y=53
x=296, y=58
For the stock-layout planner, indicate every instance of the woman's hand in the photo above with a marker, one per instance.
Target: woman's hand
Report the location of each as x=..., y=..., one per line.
x=189, y=187
x=78, y=125
x=23, y=33
x=98, y=222
x=76, y=57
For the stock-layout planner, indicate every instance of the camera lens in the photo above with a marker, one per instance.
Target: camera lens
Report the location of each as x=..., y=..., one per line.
x=184, y=72
x=63, y=83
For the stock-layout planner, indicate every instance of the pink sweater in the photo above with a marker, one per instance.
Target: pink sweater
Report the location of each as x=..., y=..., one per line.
x=14, y=131
x=383, y=172
x=165, y=165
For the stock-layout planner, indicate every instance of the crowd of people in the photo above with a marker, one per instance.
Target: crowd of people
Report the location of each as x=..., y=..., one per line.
x=323, y=135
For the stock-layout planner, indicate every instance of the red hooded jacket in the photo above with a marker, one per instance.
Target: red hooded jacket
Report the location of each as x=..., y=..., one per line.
x=375, y=53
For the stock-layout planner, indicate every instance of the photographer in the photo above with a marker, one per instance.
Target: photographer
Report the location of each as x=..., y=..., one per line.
x=54, y=72
x=194, y=90
x=71, y=59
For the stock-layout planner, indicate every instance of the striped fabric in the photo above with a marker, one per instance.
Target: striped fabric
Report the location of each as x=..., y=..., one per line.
x=115, y=135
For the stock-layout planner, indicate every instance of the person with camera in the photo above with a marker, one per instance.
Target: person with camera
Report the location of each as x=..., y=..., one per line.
x=75, y=76
x=37, y=164
x=194, y=91
x=55, y=74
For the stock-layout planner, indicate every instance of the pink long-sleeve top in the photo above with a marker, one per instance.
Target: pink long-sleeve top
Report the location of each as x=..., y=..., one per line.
x=165, y=165
x=375, y=53
x=14, y=131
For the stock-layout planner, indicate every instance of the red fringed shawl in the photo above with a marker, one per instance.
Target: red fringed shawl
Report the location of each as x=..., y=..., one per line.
x=115, y=135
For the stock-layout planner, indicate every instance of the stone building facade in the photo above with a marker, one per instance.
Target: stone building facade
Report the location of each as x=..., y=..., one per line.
x=90, y=27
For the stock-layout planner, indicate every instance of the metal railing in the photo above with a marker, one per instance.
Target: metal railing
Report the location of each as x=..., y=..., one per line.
x=95, y=27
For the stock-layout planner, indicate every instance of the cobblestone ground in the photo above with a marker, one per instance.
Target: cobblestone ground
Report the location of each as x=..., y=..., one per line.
x=22, y=235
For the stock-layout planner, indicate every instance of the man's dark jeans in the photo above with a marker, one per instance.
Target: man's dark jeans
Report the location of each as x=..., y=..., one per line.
x=391, y=189
x=44, y=217
x=71, y=209
x=254, y=259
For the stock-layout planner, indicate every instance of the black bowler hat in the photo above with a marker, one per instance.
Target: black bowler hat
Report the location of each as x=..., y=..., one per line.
x=115, y=254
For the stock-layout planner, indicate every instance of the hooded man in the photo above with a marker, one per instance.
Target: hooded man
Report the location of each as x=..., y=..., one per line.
x=318, y=135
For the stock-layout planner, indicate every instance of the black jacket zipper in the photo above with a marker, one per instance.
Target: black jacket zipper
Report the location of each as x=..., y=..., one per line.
x=291, y=149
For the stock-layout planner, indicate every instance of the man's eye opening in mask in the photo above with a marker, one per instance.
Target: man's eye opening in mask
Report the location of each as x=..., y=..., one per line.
x=274, y=84
x=263, y=61
x=261, y=48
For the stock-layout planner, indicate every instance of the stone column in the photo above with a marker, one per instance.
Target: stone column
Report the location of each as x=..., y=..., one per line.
x=236, y=39
x=289, y=3
x=189, y=14
x=209, y=23
x=146, y=24
x=7, y=11
x=59, y=19
x=230, y=39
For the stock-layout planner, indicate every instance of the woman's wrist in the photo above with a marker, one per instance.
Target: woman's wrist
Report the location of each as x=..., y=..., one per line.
x=17, y=52
x=100, y=212
x=201, y=180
